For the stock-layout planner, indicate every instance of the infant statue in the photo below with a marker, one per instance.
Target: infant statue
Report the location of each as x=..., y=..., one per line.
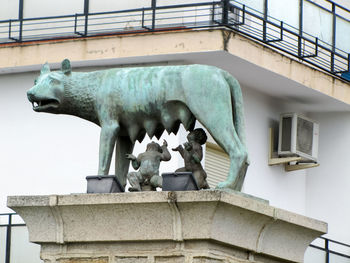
x=192, y=155
x=147, y=177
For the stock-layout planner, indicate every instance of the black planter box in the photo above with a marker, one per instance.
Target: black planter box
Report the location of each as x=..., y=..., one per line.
x=183, y=181
x=103, y=184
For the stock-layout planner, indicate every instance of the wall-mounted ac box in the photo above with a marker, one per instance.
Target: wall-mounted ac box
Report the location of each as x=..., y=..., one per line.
x=298, y=136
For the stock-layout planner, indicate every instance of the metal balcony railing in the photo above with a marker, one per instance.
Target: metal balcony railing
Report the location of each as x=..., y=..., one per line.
x=292, y=40
x=14, y=243
x=232, y=15
x=324, y=250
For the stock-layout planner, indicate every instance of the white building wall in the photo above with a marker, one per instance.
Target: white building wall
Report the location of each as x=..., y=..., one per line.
x=40, y=8
x=11, y=10
x=328, y=194
x=283, y=189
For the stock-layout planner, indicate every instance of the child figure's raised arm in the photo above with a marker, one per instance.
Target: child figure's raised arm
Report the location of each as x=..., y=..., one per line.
x=179, y=149
x=165, y=154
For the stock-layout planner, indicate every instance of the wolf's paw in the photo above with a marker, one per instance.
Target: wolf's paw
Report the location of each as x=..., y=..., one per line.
x=134, y=189
x=225, y=184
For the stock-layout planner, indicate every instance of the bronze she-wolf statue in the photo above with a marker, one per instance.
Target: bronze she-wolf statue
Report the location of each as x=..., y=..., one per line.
x=129, y=102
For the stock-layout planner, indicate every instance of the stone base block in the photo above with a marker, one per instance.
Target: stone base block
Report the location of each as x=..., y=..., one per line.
x=152, y=252
x=192, y=226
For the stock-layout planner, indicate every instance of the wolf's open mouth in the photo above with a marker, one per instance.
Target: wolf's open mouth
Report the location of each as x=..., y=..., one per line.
x=44, y=104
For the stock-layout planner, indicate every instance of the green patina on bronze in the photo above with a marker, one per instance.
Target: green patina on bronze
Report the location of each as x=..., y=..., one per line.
x=129, y=102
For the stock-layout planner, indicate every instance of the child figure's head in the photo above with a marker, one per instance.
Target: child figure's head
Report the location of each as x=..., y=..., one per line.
x=198, y=136
x=155, y=147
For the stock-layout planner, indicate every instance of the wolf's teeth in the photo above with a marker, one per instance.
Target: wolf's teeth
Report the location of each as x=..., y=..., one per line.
x=35, y=104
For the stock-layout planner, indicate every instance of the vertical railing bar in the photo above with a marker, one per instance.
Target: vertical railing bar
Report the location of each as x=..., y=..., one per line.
x=243, y=15
x=266, y=6
x=327, y=249
x=225, y=9
x=8, y=239
x=348, y=62
x=281, y=34
x=143, y=18
x=10, y=25
x=154, y=6
x=316, y=44
x=334, y=21
x=301, y=14
x=86, y=13
x=75, y=23
x=213, y=14
x=20, y=17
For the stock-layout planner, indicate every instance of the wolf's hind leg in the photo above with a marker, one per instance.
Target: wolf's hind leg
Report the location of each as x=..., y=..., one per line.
x=219, y=123
x=238, y=159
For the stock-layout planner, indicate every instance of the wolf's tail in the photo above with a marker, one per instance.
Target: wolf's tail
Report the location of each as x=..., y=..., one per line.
x=237, y=107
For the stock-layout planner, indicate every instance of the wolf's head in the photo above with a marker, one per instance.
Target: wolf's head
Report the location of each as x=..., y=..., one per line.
x=47, y=94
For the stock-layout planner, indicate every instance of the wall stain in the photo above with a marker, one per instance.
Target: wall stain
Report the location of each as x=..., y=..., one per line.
x=226, y=36
x=99, y=51
x=181, y=45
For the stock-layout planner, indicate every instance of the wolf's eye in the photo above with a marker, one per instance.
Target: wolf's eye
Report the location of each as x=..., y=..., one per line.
x=54, y=82
x=35, y=81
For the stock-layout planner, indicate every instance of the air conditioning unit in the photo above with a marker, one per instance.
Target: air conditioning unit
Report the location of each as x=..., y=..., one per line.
x=298, y=136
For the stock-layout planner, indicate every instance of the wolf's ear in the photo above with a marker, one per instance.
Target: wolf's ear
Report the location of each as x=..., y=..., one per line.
x=65, y=67
x=45, y=68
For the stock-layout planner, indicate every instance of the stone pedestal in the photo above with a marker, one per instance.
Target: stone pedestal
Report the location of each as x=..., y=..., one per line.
x=193, y=226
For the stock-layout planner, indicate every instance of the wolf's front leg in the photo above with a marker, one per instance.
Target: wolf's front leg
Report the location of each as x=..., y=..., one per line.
x=124, y=146
x=108, y=137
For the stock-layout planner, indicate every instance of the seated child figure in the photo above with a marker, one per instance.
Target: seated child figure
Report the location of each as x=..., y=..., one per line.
x=192, y=155
x=147, y=178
